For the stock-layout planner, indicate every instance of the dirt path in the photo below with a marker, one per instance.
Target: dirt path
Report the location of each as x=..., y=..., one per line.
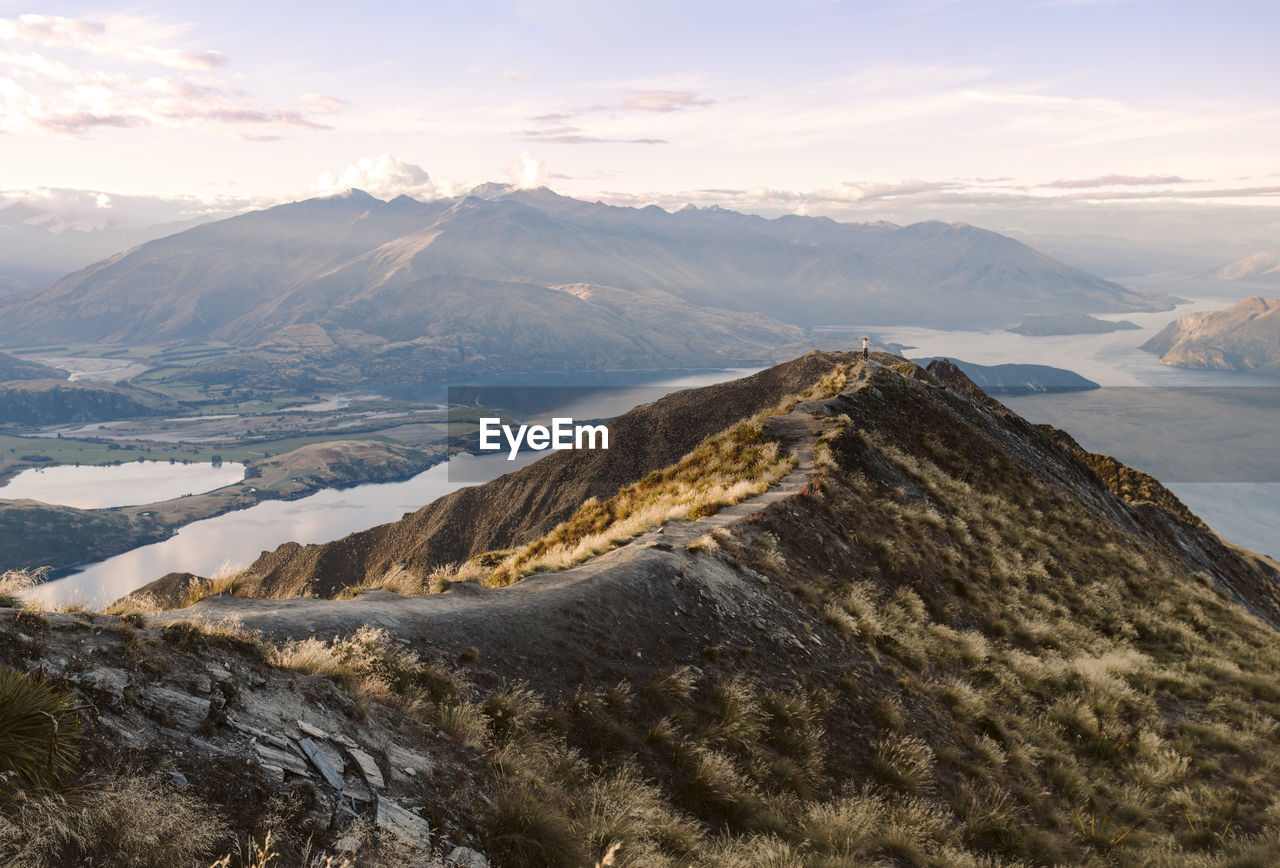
x=623, y=589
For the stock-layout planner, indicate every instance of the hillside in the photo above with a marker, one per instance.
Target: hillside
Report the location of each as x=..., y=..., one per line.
x=522, y=506
x=55, y=402
x=1263, y=265
x=1244, y=337
x=13, y=368
x=37, y=535
x=350, y=288
x=939, y=637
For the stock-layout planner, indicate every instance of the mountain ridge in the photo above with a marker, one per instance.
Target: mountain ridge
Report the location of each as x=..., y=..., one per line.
x=1263, y=266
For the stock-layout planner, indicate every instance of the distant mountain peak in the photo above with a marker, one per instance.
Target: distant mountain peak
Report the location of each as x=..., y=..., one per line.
x=352, y=194
x=489, y=190
x=1263, y=266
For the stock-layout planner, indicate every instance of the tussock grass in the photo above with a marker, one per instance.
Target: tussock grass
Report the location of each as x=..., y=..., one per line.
x=525, y=831
x=233, y=584
x=14, y=583
x=128, y=819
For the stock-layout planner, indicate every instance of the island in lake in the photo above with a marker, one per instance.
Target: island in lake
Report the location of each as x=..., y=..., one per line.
x=1040, y=325
x=1014, y=379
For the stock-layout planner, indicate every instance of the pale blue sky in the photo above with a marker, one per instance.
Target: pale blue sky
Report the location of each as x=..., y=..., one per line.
x=861, y=107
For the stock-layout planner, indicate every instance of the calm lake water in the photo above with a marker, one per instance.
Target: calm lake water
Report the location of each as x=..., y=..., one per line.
x=235, y=539
x=1241, y=512
x=91, y=487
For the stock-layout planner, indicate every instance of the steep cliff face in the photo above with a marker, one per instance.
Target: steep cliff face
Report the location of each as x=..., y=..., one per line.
x=1244, y=337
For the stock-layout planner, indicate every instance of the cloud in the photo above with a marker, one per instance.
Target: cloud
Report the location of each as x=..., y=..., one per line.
x=527, y=173
x=1117, y=181
x=59, y=210
x=1044, y=101
x=569, y=135
x=665, y=101
x=91, y=84
x=121, y=41
x=567, y=127
x=319, y=103
x=1213, y=193
x=383, y=176
x=976, y=200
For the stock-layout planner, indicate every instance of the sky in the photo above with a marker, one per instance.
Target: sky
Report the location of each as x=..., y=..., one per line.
x=1145, y=118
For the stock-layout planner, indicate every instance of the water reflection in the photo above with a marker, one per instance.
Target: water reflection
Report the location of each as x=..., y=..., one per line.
x=99, y=487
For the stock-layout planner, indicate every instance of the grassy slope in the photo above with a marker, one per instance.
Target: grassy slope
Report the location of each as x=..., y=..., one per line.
x=1002, y=664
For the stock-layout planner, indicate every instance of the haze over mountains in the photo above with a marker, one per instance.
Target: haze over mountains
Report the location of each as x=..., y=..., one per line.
x=1263, y=265
x=500, y=280
x=43, y=237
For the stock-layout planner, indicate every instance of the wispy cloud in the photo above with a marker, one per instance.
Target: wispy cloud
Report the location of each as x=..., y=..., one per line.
x=76, y=76
x=126, y=41
x=666, y=101
x=1039, y=100
x=570, y=135
x=579, y=126
x=1118, y=181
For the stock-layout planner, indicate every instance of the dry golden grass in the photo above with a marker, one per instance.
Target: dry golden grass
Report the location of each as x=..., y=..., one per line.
x=725, y=469
x=15, y=583
x=125, y=820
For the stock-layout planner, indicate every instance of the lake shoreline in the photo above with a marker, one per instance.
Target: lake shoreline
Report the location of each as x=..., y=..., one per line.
x=116, y=530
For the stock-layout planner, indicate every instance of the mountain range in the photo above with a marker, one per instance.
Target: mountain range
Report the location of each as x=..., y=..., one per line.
x=354, y=289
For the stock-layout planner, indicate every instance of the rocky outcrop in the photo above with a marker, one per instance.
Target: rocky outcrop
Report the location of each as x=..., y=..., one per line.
x=239, y=732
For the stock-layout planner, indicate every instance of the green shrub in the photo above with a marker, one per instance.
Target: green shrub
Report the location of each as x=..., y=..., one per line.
x=39, y=732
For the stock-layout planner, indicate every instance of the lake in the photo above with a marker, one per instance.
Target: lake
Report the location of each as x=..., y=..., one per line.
x=235, y=539
x=129, y=484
